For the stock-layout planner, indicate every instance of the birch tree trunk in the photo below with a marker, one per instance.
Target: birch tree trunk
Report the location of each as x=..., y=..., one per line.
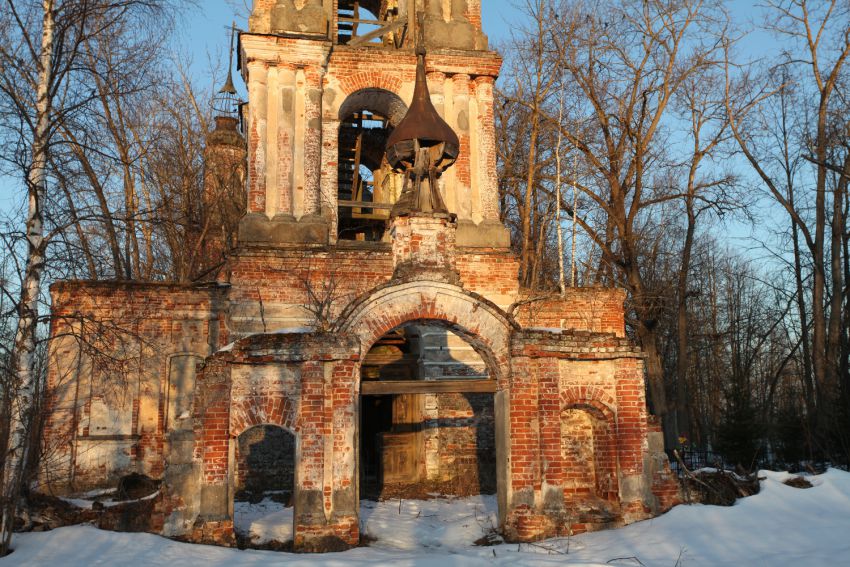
x=22, y=358
x=561, y=285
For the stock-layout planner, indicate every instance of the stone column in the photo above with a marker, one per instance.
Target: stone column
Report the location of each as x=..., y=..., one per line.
x=312, y=140
x=330, y=174
x=461, y=168
x=436, y=87
x=549, y=408
x=282, y=144
x=285, y=137
x=632, y=432
x=481, y=227
x=486, y=150
x=211, y=494
x=325, y=500
x=257, y=127
x=299, y=135
x=524, y=521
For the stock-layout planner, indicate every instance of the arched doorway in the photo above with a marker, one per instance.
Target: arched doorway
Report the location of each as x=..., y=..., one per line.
x=427, y=416
x=481, y=324
x=264, y=484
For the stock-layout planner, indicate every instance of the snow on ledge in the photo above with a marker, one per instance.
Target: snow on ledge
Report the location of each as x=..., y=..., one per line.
x=545, y=329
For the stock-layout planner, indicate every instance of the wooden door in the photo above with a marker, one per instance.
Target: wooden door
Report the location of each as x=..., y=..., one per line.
x=401, y=446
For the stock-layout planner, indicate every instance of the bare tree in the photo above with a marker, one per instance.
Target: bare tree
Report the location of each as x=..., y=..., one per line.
x=622, y=65
x=820, y=34
x=529, y=162
x=42, y=85
x=701, y=105
x=22, y=360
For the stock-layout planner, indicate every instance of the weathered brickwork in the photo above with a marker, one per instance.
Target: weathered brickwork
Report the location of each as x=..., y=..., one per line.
x=179, y=381
x=461, y=444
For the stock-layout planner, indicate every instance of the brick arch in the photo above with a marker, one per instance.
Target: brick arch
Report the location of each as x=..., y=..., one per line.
x=478, y=321
x=262, y=410
x=387, y=81
x=589, y=397
x=378, y=100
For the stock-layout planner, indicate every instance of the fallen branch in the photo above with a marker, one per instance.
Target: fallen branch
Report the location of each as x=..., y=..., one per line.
x=638, y=561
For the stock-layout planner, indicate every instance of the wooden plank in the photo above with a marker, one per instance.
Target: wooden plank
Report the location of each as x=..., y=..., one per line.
x=384, y=387
x=355, y=181
x=362, y=39
x=364, y=204
x=362, y=21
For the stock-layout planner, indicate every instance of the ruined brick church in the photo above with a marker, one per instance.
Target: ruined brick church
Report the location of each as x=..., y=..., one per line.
x=364, y=335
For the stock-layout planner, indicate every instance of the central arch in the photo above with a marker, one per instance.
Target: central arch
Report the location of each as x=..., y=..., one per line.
x=485, y=326
x=480, y=323
x=366, y=120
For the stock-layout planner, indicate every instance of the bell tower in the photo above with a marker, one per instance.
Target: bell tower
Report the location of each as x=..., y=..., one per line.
x=328, y=82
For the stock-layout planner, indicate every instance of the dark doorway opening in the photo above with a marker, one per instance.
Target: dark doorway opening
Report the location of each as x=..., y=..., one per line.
x=265, y=483
x=375, y=420
x=265, y=464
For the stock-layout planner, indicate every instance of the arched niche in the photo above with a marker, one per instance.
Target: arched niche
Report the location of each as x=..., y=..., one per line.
x=588, y=450
x=180, y=390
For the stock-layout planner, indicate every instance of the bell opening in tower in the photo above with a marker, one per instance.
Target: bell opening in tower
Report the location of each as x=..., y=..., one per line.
x=367, y=186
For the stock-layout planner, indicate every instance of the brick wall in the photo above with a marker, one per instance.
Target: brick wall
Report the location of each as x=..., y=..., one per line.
x=578, y=428
x=596, y=309
x=460, y=444
x=111, y=344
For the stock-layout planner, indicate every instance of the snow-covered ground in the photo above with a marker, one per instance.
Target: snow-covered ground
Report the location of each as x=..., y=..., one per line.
x=263, y=522
x=780, y=526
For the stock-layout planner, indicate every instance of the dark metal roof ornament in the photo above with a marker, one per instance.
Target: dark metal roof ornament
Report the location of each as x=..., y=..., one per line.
x=422, y=146
x=226, y=102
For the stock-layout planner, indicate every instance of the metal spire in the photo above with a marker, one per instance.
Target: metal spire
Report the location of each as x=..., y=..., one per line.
x=225, y=103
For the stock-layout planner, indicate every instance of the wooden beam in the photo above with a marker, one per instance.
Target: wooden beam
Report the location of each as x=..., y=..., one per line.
x=383, y=387
x=362, y=39
x=362, y=21
x=364, y=204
